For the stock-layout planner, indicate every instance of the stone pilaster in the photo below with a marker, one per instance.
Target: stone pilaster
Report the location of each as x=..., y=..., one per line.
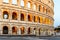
x=26, y=30
x=19, y=32
x=10, y=30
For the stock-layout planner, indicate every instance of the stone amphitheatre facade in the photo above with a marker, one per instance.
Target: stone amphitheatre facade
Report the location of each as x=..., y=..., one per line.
x=26, y=17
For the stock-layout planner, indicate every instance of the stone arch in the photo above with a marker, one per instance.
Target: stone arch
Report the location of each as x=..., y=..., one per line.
x=34, y=19
x=44, y=9
x=48, y=11
x=41, y=8
x=22, y=2
x=34, y=6
x=34, y=28
x=29, y=18
x=14, y=16
x=29, y=4
x=14, y=30
x=39, y=31
x=5, y=15
x=22, y=17
x=5, y=30
x=34, y=31
x=29, y=30
x=39, y=19
x=22, y=30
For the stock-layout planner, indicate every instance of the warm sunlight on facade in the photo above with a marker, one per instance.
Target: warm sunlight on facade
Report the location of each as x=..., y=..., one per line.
x=26, y=17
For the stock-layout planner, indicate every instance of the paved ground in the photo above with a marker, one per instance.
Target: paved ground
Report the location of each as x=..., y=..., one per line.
x=51, y=38
x=20, y=38
x=12, y=37
x=28, y=38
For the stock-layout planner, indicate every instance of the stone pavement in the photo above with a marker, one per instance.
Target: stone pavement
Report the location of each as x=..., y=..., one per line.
x=20, y=38
x=6, y=37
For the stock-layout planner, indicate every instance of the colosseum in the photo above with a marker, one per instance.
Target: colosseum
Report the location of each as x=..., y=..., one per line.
x=26, y=17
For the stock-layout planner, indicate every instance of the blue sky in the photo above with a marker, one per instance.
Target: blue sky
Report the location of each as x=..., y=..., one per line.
x=56, y=12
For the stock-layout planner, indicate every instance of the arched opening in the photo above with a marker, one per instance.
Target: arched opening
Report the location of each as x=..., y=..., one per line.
x=34, y=18
x=22, y=17
x=39, y=19
x=44, y=9
x=5, y=30
x=14, y=2
x=39, y=31
x=29, y=5
x=14, y=16
x=48, y=11
x=22, y=30
x=14, y=30
x=6, y=1
x=29, y=18
x=22, y=3
x=5, y=15
x=41, y=8
x=34, y=31
x=34, y=6
x=29, y=30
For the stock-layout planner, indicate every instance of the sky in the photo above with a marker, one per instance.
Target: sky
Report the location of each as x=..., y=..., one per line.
x=56, y=13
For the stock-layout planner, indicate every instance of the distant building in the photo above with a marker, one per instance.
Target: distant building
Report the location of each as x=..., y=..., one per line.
x=57, y=31
x=26, y=17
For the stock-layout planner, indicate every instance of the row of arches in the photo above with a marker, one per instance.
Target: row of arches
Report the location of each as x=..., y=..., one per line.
x=14, y=16
x=29, y=17
x=6, y=29
x=23, y=30
x=30, y=5
x=15, y=30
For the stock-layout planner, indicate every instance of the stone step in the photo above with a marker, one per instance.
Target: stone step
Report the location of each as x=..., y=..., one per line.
x=21, y=37
x=17, y=35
